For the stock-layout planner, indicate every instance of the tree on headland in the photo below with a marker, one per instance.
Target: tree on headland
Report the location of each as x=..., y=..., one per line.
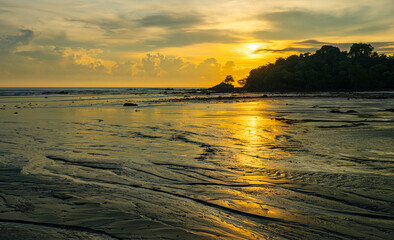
x=225, y=86
x=328, y=69
x=242, y=81
x=329, y=51
x=229, y=79
x=360, y=50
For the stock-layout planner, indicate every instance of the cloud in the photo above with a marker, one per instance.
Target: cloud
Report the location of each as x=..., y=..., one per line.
x=158, y=66
x=122, y=69
x=40, y=55
x=80, y=63
x=165, y=20
x=59, y=62
x=71, y=64
x=126, y=23
x=12, y=42
x=88, y=58
x=171, y=20
x=299, y=24
x=313, y=45
x=185, y=38
x=2, y=11
x=60, y=39
x=106, y=24
x=163, y=70
x=229, y=67
x=160, y=30
x=311, y=41
x=288, y=49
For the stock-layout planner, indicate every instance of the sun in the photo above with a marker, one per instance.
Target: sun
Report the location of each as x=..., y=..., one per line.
x=251, y=48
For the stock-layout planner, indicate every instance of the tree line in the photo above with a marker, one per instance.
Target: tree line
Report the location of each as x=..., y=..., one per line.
x=328, y=69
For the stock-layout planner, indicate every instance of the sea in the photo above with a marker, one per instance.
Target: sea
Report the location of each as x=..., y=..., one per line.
x=182, y=163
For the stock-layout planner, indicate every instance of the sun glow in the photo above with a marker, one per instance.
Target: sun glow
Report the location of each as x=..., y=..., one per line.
x=252, y=47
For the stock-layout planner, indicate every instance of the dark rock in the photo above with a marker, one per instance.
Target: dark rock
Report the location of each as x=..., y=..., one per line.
x=128, y=104
x=339, y=111
x=345, y=126
x=222, y=87
x=389, y=110
x=351, y=111
x=335, y=111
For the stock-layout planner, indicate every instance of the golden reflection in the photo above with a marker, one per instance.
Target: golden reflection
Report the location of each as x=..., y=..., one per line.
x=259, y=141
x=233, y=230
x=256, y=131
x=258, y=144
x=253, y=204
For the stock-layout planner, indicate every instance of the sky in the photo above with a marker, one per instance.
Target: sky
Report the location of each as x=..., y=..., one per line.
x=189, y=43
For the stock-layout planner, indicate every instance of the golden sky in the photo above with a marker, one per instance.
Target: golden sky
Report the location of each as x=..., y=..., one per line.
x=189, y=43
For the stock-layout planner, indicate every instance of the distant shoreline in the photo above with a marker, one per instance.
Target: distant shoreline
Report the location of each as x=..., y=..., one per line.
x=241, y=96
x=190, y=94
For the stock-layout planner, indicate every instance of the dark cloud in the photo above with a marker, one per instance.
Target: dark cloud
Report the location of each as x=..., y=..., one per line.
x=40, y=55
x=311, y=41
x=4, y=11
x=382, y=44
x=171, y=20
x=369, y=29
x=9, y=43
x=179, y=29
x=124, y=23
x=379, y=46
x=289, y=49
x=388, y=50
x=62, y=40
x=384, y=47
x=107, y=25
x=184, y=38
x=313, y=45
x=301, y=24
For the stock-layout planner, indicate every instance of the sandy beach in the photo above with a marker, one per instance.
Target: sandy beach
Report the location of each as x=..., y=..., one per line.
x=80, y=165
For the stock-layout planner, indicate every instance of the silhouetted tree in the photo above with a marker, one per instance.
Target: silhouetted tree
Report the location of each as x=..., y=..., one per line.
x=242, y=81
x=327, y=69
x=229, y=79
x=360, y=50
x=328, y=51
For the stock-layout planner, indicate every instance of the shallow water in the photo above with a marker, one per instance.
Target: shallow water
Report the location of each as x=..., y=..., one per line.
x=83, y=166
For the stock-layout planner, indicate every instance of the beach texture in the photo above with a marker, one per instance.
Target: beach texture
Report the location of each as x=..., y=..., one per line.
x=82, y=165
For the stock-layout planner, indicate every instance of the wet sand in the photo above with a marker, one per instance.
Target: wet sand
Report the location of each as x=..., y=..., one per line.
x=178, y=167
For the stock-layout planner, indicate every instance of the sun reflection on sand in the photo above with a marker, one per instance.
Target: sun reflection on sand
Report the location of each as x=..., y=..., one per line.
x=254, y=136
x=257, y=133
